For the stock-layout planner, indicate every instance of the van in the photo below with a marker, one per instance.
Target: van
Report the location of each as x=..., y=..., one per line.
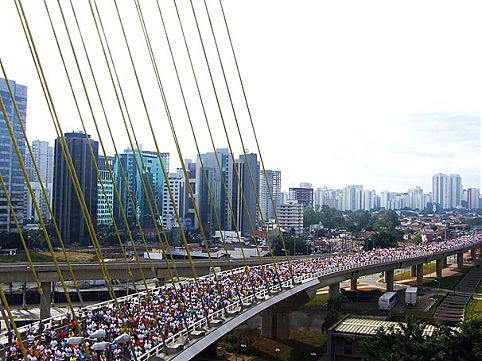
x=387, y=301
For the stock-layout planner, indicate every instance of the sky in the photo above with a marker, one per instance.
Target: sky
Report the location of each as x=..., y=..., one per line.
x=380, y=93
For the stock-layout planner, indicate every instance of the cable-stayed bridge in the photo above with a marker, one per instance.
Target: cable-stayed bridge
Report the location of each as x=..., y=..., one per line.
x=111, y=98
x=273, y=300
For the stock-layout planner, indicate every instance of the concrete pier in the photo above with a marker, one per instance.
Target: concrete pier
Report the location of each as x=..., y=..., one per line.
x=389, y=280
x=45, y=300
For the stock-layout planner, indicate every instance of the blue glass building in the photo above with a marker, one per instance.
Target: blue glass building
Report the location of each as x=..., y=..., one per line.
x=152, y=173
x=9, y=163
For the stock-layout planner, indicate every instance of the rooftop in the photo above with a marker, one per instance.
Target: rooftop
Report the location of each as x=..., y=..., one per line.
x=363, y=326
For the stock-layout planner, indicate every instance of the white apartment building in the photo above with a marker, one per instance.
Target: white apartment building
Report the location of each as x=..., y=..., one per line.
x=290, y=216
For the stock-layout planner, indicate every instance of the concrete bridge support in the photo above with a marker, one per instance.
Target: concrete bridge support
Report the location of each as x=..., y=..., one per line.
x=460, y=260
x=420, y=274
x=438, y=268
x=444, y=262
x=389, y=280
x=24, y=295
x=354, y=282
x=276, y=321
x=413, y=271
x=276, y=324
x=334, y=290
x=45, y=299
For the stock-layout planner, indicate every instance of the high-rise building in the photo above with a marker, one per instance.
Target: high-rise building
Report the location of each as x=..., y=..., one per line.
x=270, y=183
x=66, y=205
x=447, y=190
x=151, y=173
x=303, y=194
x=9, y=164
x=368, y=200
x=190, y=219
x=285, y=196
x=221, y=198
x=456, y=190
x=104, y=201
x=290, y=216
x=416, y=199
x=319, y=197
x=43, y=155
x=176, y=183
x=473, y=196
x=243, y=213
x=352, y=198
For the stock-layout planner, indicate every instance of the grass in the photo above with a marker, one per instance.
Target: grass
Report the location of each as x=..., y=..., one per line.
x=318, y=301
x=479, y=289
x=448, y=283
x=46, y=257
x=427, y=269
x=22, y=257
x=73, y=256
x=473, y=308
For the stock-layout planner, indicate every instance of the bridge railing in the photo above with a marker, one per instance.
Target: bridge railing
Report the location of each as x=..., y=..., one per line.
x=261, y=294
x=59, y=320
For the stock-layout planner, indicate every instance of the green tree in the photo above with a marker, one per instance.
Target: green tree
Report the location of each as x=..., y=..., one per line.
x=417, y=239
x=332, y=218
x=407, y=342
x=386, y=221
x=334, y=311
x=310, y=217
x=293, y=244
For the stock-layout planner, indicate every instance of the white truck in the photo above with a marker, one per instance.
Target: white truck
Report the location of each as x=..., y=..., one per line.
x=411, y=296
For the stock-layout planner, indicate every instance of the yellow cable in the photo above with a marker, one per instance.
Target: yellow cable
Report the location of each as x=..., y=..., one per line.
x=12, y=322
x=19, y=230
x=44, y=192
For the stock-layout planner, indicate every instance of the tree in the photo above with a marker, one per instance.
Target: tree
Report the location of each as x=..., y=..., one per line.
x=293, y=244
x=408, y=343
x=386, y=232
x=310, y=217
x=417, y=239
x=386, y=221
x=334, y=311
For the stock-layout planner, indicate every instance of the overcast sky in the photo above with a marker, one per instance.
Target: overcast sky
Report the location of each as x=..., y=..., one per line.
x=380, y=93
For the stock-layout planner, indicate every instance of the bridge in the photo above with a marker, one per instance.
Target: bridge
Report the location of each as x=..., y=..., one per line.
x=46, y=272
x=206, y=308
x=274, y=303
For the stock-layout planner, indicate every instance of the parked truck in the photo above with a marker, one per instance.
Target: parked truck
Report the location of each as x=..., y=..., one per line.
x=411, y=296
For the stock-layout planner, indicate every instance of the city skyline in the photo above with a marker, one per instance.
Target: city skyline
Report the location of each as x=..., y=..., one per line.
x=348, y=117
x=285, y=187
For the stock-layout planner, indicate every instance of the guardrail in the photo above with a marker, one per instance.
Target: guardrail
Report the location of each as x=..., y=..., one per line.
x=62, y=319
x=157, y=350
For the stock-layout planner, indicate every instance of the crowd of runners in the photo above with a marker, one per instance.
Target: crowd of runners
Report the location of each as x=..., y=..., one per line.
x=133, y=327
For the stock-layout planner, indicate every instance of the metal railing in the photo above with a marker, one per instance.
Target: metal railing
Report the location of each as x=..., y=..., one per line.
x=260, y=294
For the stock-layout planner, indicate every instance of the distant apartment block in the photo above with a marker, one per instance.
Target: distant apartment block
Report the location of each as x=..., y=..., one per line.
x=290, y=216
x=43, y=156
x=269, y=182
x=303, y=195
x=473, y=198
x=447, y=190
